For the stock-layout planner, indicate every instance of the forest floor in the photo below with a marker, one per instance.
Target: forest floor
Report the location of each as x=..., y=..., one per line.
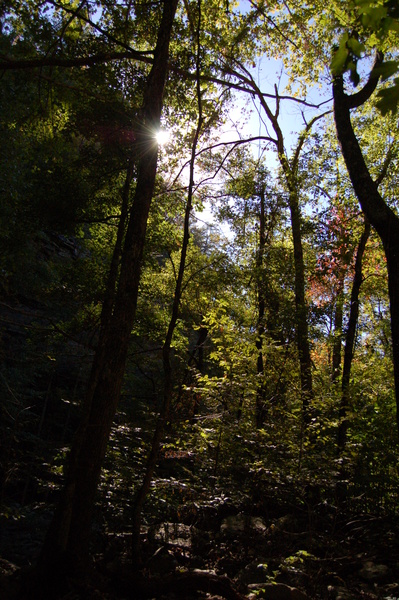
x=238, y=533
x=317, y=553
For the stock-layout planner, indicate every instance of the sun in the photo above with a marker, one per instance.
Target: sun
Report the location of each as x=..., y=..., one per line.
x=162, y=137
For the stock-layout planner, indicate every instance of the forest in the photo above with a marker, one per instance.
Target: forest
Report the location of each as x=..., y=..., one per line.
x=199, y=299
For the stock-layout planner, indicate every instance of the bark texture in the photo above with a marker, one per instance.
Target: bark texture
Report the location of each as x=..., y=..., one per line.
x=302, y=328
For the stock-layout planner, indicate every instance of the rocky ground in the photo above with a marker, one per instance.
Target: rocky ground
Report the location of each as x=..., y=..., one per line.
x=317, y=555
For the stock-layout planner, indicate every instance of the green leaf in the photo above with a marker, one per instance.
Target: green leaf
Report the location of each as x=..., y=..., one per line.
x=389, y=99
x=372, y=16
x=387, y=69
x=338, y=60
x=355, y=46
x=391, y=24
x=348, y=47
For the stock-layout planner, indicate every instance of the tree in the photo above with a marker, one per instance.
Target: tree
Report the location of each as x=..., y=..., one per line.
x=70, y=529
x=289, y=168
x=166, y=349
x=381, y=216
x=350, y=338
x=254, y=210
x=375, y=25
x=248, y=298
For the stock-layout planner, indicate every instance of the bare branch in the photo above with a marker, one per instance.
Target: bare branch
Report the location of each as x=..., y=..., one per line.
x=303, y=137
x=233, y=143
x=92, y=24
x=387, y=162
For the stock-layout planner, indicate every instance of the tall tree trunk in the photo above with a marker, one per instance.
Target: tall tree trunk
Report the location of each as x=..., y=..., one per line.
x=380, y=215
x=110, y=291
x=198, y=349
x=350, y=339
x=290, y=171
x=69, y=532
x=301, y=317
x=261, y=391
x=166, y=350
x=337, y=340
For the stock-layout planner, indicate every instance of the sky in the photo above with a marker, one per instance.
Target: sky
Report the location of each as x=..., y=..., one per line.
x=252, y=121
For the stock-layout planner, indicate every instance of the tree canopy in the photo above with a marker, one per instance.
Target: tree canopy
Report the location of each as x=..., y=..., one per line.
x=199, y=335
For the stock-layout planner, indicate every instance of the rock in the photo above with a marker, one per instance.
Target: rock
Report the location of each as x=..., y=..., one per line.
x=162, y=562
x=339, y=593
x=372, y=572
x=176, y=464
x=391, y=590
x=293, y=576
x=254, y=572
x=278, y=591
x=288, y=523
x=238, y=524
x=7, y=568
x=228, y=565
x=175, y=534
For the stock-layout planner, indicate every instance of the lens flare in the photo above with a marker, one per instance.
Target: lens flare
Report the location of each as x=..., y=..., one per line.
x=162, y=137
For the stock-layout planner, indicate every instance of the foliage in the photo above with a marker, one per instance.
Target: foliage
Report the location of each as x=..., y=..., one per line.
x=67, y=136
x=375, y=25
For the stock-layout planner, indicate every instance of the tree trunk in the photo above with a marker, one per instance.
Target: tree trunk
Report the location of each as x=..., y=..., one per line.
x=109, y=299
x=198, y=349
x=337, y=341
x=261, y=391
x=302, y=328
x=350, y=339
x=380, y=215
x=166, y=350
x=69, y=531
x=290, y=171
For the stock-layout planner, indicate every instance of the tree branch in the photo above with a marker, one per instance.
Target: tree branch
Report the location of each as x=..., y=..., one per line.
x=356, y=100
x=7, y=63
x=385, y=166
x=303, y=137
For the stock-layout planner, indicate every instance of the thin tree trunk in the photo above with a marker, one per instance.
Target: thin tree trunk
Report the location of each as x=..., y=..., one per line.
x=302, y=328
x=261, y=391
x=69, y=532
x=350, y=339
x=290, y=171
x=108, y=302
x=199, y=348
x=166, y=350
x=337, y=341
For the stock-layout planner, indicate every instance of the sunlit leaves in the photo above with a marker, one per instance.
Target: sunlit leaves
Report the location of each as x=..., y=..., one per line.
x=389, y=97
x=378, y=26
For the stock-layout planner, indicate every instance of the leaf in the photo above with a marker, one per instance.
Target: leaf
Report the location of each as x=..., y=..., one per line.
x=387, y=69
x=348, y=47
x=391, y=24
x=355, y=46
x=338, y=60
x=389, y=98
x=372, y=16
